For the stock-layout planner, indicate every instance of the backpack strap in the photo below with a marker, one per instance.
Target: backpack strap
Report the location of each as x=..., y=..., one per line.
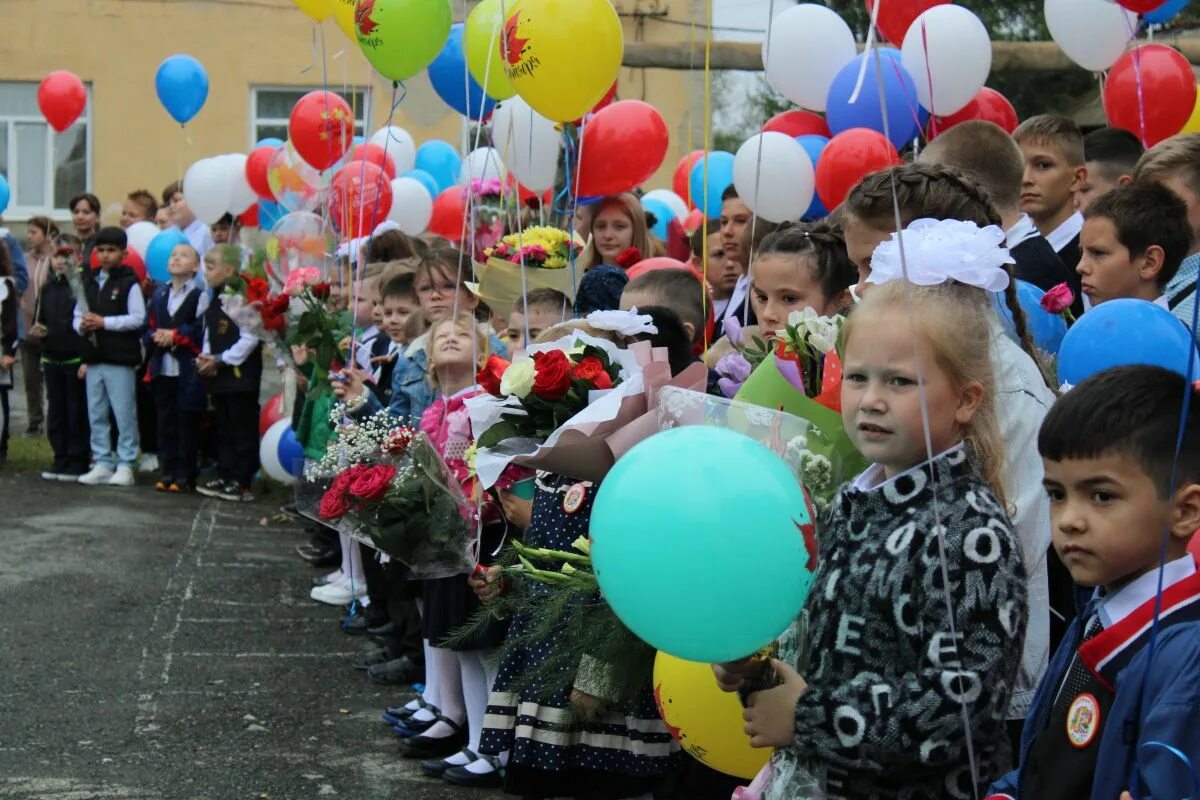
x=1179, y=298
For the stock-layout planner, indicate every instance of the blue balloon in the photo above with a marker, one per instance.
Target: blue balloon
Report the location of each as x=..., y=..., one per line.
x=712, y=577
x=440, y=160
x=182, y=86
x=867, y=112
x=454, y=84
x=158, y=252
x=1126, y=331
x=425, y=179
x=291, y=453
x=662, y=216
x=270, y=141
x=814, y=145
x=1165, y=12
x=1046, y=329
x=5, y=193
x=269, y=212
x=720, y=178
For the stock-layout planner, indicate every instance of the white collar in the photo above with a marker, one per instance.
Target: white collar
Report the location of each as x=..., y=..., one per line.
x=1022, y=231
x=872, y=477
x=1120, y=604
x=738, y=298
x=1162, y=302
x=1061, y=236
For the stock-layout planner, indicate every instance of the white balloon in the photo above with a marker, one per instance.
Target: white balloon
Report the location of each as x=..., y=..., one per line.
x=670, y=200
x=208, y=188
x=1093, y=33
x=241, y=195
x=947, y=49
x=528, y=143
x=774, y=176
x=809, y=44
x=138, y=236
x=412, y=207
x=399, y=145
x=482, y=164
x=268, y=452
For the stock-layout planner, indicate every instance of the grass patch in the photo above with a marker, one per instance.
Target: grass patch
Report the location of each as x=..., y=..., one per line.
x=32, y=454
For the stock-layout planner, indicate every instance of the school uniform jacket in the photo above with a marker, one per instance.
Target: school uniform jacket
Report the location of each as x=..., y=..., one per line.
x=187, y=322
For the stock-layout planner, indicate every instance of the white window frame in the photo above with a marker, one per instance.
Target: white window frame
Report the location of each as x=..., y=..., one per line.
x=16, y=212
x=253, y=120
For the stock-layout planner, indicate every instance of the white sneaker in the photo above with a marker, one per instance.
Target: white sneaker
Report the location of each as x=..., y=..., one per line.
x=51, y=476
x=122, y=477
x=337, y=594
x=100, y=473
x=149, y=463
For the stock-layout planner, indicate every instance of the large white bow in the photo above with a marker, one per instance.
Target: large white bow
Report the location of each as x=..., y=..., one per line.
x=937, y=251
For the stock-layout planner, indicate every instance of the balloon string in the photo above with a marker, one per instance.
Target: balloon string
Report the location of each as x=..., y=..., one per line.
x=868, y=48
x=757, y=178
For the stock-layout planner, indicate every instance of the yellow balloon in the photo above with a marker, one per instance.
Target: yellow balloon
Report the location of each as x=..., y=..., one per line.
x=485, y=56
x=343, y=14
x=317, y=9
x=706, y=721
x=1193, y=123
x=562, y=56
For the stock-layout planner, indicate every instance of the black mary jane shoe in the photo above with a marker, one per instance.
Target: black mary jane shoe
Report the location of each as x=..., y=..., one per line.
x=461, y=776
x=424, y=747
x=437, y=767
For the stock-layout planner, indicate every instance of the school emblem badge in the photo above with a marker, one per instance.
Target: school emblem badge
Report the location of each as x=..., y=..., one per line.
x=573, y=499
x=223, y=326
x=1083, y=720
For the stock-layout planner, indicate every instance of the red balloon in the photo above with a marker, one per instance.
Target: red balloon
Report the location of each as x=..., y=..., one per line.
x=655, y=264
x=376, y=155
x=321, y=128
x=271, y=413
x=256, y=171
x=622, y=146
x=798, y=123
x=896, y=16
x=449, y=207
x=681, y=180
x=1150, y=92
x=62, y=98
x=847, y=159
x=989, y=105
x=360, y=198
x=1140, y=6
x=249, y=217
x=131, y=260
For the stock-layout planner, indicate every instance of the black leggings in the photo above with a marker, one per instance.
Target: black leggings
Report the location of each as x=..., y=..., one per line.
x=4, y=429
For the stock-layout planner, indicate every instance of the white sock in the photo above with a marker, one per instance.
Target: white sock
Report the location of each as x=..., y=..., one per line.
x=481, y=766
x=433, y=691
x=445, y=664
x=475, y=694
x=459, y=759
x=352, y=570
x=413, y=705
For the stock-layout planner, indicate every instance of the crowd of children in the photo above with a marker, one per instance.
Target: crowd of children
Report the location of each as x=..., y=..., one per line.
x=987, y=591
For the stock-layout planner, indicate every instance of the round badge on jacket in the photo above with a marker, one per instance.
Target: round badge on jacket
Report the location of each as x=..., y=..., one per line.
x=1083, y=720
x=573, y=499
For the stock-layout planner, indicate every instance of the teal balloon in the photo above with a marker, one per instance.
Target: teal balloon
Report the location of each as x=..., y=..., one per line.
x=720, y=178
x=440, y=160
x=425, y=179
x=662, y=217
x=158, y=252
x=5, y=193
x=703, y=543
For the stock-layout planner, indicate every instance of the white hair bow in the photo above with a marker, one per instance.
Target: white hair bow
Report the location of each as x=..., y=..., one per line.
x=626, y=323
x=937, y=251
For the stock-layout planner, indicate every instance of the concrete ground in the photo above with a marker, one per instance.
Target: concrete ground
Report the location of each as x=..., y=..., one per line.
x=164, y=647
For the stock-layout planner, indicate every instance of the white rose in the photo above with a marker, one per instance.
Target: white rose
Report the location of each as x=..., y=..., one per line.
x=822, y=341
x=518, y=378
x=799, y=319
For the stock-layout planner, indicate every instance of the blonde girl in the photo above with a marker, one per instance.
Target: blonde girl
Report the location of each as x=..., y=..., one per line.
x=619, y=222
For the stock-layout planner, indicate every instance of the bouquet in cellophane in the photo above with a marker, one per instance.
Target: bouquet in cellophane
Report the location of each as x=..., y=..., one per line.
x=535, y=258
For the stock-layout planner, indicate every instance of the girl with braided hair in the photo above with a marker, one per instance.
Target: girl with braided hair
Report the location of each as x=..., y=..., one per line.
x=797, y=267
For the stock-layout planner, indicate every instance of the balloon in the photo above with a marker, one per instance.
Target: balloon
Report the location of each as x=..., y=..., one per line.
x=374, y=154
x=182, y=86
x=672, y=571
x=269, y=141
x=256, y=171
x=449, y=207
x=655, y=264
x=1140, y=6
x=158, y=252
x=604, y=102
x=249, y=217
x=671, y=200
x=450, y=79
x=481, y=164
x=807, y=47
x=847, y=159
x=485, y=58
x=681, y=179
x=62, y=97
x=814, y=146
x=949, y=54
x=663, y=215
x=291, y=453
x=317, y=9
x=1093, y=33
x=398, y=144
x=293, y=183
x=1165, y=12
x=1046, y=329
x=866, y=111
x=440, y=160
x=360, y=198
x=1191, y=126
x=242, y=195
x=562, y=55
x=1126, y=331
x=798, y=123
x=207, y=189
x=988, y=105
x=622, y=146
x=720, y=178
x=271, y=413
x=132, y=259
x=896, y=16
x=320, y=128
x=269, y=452
x=706, y=721
x=401, y=37
x=299, y=239
x=269, y=213
x=425, y=179
x=412, y=207
x=1150, y=92
x=774, y=176
x=139, y=235
x=529, y=144
x=5, y=193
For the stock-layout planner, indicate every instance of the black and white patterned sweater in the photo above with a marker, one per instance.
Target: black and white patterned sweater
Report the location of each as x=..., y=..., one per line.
x=889, y=677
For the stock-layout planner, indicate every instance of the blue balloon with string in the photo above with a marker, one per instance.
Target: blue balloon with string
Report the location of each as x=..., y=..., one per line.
x=158, y=253
x=425, y=179
x=866, y=110
x=440, y=160
x=182, y=86
x=454, y=83
x=1166, y=12
x=1126, y=331
x=5, y=193
x=662, y=216
x=814, y=145
x=720, y=178
x=1046, y=329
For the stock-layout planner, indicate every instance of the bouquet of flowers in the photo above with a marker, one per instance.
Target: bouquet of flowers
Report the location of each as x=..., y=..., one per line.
x=542, y=247
x=541, y=253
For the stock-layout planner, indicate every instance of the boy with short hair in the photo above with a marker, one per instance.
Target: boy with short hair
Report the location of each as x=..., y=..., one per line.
x=538, y=310
x=1134, y=239
x=224, y=230
x=1110, y=155
x=736, y=218
x=1054, y=170
x=197, y=233
x=398, y=299
x=111, y=329
x=1175, y=164
x=1109, y=448
x=139, y=206
x=679, y=291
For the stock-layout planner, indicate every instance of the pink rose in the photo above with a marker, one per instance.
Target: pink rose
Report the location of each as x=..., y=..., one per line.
x=298, y=278
x=1058, y=299
x=372, y=484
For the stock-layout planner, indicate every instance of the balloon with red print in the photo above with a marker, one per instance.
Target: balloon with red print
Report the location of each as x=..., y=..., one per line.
x=1150, y=92
x=360, y=198
x=321, y=128
x=622, y=146
x=61, y=97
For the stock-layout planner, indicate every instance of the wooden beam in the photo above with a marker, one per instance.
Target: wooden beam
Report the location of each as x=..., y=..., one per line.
x=1034, y=56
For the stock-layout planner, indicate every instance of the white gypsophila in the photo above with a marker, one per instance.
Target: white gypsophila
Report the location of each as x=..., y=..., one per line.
x=938, y=251
x=816, y=471
x=796, y=447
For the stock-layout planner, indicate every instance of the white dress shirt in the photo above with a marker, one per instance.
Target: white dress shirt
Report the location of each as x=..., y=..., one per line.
x=1022, y=231
x=135, y=307
x=238, y=352
x=175, y=298
x=1061, y=236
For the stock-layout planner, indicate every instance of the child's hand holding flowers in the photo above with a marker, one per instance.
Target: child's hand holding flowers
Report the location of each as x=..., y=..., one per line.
x=770, y=715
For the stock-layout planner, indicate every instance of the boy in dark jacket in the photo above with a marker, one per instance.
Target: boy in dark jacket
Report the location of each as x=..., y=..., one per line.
x=1109, y=702
x=62, y=366
x=111, y=327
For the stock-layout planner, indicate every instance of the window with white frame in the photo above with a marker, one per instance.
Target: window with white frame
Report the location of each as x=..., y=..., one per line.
x=44, y=168
x=270, y=108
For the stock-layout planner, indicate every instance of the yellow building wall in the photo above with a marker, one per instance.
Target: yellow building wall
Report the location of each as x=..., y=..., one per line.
x=116, y=46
